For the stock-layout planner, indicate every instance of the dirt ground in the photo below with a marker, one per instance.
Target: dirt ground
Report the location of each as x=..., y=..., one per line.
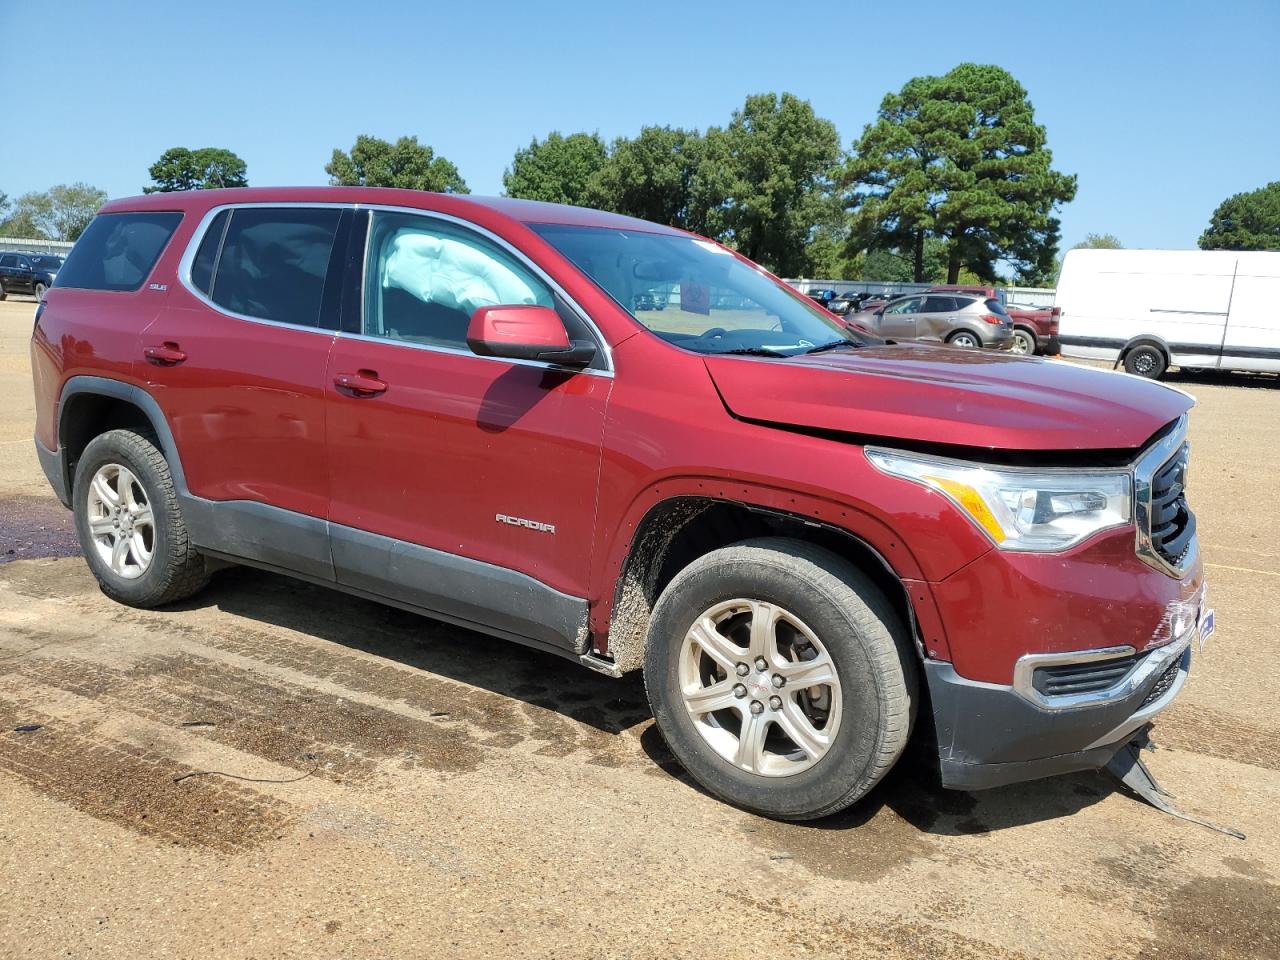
x=414, y=790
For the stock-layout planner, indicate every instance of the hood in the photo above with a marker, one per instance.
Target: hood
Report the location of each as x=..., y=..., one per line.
x=949, y=396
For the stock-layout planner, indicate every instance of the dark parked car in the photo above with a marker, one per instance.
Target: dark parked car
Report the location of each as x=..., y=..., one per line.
x=809, y=540
x=31, y=273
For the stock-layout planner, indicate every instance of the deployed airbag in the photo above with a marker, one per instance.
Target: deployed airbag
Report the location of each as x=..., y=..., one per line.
x=450, y=273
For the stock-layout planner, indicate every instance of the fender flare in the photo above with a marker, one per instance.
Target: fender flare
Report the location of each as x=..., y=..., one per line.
x=129, y=393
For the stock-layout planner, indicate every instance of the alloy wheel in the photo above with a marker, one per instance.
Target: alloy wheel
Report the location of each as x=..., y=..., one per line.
x=121, y=522
x=761, y=688
x=966, y=340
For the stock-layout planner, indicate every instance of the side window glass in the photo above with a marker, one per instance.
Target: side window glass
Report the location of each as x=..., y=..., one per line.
x=424, y=278
x=207, y=255
x=24, y=263
x=6, y=261
x=938, y=305
x=273, y=263
x=906, y=306
x=117, y=251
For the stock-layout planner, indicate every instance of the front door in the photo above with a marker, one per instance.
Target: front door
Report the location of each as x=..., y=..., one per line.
x=899, y=319
x=462, y=484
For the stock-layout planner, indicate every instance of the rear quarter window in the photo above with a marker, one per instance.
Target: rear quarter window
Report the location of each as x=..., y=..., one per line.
x=996, y=307
x=117, y=251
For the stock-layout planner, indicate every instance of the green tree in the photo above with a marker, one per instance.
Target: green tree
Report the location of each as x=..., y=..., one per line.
x=653, y=176
x=1099, y=241
x=961, y=158
x=1246, y=221
x=207, y=168
x=60, y=213
x=557, y=169
x=766, y=180
x=406, y=163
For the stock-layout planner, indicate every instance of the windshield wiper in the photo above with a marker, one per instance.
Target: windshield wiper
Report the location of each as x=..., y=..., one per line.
x=752, y=352
x=834, y=345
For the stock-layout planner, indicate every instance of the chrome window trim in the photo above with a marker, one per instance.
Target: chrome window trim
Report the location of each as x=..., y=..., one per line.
x=1150, y=665
x=1145, y=468
x=193, y=245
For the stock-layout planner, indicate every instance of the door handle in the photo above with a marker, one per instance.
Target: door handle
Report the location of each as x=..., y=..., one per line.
x=362, y=383
x=165, y=355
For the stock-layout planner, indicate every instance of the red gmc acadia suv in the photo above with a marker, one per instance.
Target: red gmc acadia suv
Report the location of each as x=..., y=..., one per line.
x=630, y=446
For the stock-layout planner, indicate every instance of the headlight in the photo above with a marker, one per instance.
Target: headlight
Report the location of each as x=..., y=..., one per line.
x=1042, y=511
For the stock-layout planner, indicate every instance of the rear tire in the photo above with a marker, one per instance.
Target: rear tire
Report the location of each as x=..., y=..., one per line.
x=39, y=290
x=1024, y=342
x=1146, y=360
x=3, y=293
x=965, y=340
x=824, y=624
x=130, y=523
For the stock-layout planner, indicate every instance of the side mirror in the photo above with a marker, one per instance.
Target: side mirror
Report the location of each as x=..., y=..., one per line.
x=526, y=333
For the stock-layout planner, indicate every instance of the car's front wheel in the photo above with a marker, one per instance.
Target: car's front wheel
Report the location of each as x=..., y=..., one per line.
x=130, y=524
x=780, y=677
x=39, y=290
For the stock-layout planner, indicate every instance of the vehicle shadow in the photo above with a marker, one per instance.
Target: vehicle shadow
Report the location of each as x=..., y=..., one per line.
x=912, y=791
x=440, y=650
x=1222, y=378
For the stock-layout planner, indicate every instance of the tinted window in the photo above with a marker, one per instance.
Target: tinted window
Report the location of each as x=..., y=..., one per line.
x=938, y=305
x=117, y=251
x=273, y=263
x=8, y=261
x=425, y=278
x=47, y=263
x=207, y=255
x=996, y=307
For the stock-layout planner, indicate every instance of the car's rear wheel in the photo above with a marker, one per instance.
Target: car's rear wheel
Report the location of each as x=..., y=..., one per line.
x=965, y=339
x=1146, y=360
x=130, y=524
x=781, y=677
x=39, y=290
x=3, y=292
x=1023, y=342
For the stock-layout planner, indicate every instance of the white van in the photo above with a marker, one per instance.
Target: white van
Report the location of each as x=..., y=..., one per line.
x=1217, y=309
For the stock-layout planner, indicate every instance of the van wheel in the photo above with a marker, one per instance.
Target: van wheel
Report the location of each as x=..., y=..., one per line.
x=130, y=525
x=1146, y=360
x=780, y=677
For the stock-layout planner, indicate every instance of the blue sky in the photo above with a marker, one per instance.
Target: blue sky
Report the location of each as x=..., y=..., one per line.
x=1162, y=109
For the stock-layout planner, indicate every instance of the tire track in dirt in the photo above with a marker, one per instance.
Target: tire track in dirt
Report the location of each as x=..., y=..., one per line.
x=286, y=724
x=134, y=787
x=561, y=708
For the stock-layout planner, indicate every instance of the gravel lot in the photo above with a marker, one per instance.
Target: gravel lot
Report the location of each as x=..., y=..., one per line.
x=418, y=790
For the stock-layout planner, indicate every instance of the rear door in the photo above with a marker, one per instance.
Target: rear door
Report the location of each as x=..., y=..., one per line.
x=462, y=484
x=937, y=316
x=237, y=362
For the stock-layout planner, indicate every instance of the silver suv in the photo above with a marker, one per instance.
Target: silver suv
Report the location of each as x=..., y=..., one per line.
x=957, y=319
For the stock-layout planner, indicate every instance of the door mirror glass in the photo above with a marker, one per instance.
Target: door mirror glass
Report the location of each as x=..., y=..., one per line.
x=526, y=332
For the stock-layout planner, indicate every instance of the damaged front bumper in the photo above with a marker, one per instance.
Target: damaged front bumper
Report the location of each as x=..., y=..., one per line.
x=1063, y=713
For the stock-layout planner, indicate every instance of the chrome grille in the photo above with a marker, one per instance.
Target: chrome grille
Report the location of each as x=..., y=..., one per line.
x=1166, y=527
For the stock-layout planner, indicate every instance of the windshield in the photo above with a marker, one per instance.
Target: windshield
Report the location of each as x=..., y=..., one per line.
x=46, y=263
x=696, y=294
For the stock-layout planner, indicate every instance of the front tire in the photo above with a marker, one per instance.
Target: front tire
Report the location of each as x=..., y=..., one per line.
x=780, y=677
x=1146, y=360
x=130, y=524
x=39, y=290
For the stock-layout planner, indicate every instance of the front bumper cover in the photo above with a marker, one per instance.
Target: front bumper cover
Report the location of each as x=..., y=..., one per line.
x=989, y=735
